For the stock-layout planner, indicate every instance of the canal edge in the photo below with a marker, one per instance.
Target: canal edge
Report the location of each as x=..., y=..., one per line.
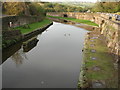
x=29, y=35
x=35, y=32
x=82, y=82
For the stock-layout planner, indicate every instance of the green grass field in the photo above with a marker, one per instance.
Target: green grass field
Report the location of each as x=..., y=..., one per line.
x=76, y=20
x=31, y=27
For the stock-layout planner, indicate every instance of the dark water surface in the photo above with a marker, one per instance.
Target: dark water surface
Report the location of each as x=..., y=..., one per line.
x=54, y=62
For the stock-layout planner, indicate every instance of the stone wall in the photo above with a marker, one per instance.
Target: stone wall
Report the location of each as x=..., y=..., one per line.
x=11, y=34
x=18, y=21
x=10, y=37
x=36, y=32
x=108, y=27
x=111, y=31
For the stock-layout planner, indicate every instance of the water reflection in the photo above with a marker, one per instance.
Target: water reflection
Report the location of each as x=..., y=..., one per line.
x=17, y=51
x=53, y=63
x=30, y=44
x=6, y=53
x=0, y=56
x=87, y=27
x=19, y=57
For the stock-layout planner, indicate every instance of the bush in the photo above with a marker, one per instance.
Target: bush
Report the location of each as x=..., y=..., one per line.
x=55, y=7
x=13, y=8
x=36, y=9
x=22, y=8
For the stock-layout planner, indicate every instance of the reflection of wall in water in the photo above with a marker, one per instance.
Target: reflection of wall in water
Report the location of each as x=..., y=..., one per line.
x=17, y=53
x=30, y=44
x=87, y=27
x=19, y=57
x=10, y=51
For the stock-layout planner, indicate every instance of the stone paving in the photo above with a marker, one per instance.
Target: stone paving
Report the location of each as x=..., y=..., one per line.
x=94, y=64
x=96, y=68
x=92, y=40
x=98, y=84
x=93, y=58
x=93, y=51
x=92, y=45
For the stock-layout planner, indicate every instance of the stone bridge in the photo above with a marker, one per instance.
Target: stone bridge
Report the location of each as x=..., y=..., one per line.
x=109, y=27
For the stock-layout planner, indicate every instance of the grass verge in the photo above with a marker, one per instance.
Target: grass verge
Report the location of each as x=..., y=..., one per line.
x=104, y=61
x=76, y=20
x=31, y=27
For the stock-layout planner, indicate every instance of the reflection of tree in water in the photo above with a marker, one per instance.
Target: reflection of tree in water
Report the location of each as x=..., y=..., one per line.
x=19, y=57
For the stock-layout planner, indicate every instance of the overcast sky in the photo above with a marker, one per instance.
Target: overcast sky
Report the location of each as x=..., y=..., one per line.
x=70, y=0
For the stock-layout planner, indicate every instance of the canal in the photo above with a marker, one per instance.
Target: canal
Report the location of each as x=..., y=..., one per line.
x=53, y=62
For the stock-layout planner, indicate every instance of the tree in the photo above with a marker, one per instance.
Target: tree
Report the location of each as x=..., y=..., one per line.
x=110, y=7
x=56, y=7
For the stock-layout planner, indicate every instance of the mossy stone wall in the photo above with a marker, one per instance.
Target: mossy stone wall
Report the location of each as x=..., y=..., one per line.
x=18, y=21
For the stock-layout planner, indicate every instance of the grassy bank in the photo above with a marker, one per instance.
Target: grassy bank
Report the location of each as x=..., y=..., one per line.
x=31, y=27
x=24, y=30
x=100, y=63
x=76, y=20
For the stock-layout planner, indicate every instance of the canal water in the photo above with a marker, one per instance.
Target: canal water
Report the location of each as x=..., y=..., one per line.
x=53, y=62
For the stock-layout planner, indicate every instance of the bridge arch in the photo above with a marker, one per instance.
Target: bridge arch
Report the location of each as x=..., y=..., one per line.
x=65, y=15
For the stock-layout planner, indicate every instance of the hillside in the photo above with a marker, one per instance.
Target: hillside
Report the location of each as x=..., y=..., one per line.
x=15, y=8
x=22, y=8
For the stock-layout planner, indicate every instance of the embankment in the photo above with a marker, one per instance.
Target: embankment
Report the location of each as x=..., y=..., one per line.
x=65, y=21
x=101, y=51
x=98, y=68
x=37, y=31
x=109, y=28
x=11, y=37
